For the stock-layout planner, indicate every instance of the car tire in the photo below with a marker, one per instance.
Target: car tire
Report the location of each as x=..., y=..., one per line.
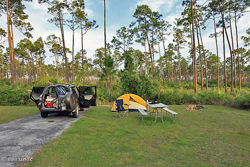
x=76, y=112
x=44, y=115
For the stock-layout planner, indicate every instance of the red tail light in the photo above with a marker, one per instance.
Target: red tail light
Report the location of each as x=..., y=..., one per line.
x=41, y=97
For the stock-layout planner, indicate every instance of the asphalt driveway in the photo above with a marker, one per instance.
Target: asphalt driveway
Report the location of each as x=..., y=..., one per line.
x=19, y=139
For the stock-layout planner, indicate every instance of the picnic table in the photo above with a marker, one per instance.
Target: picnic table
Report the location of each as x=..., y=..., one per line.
x=155, y=107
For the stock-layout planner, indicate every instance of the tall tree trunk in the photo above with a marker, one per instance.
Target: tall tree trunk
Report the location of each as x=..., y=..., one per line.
x=217, y=53
x=83, y=69
x=33, y=68
x=243, y=71
x=145, y=47
x=36, y=69
x=179, y=61
x=172, y=68
x=229, y=45
x=28, y=69
x=163, y=43
x=161, y=71
x=164, y=51
x=159, y=49
x=224, y=56
x=105, y=45
x=11, y=46
x=57, y=71
x=190, y=27
x=237, y=43
x=73, y=48
x=233, y=51
x=13, y=51
x=150, y=53
x=40, y=66
x=194, y=50
x=201, y=68
x=153, y=53
x=63, y=40
x=149, y=47
x=204, y=55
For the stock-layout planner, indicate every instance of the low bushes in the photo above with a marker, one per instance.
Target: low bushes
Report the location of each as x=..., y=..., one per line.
x=175, y=96
x=13, y=95
x=241, y=102
x=212, y=98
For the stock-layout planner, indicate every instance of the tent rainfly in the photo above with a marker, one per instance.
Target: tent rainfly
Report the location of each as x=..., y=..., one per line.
x=135, y=102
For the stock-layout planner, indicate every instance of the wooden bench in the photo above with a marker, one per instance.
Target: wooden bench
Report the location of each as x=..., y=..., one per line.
x=170, y=111
x=142, y=112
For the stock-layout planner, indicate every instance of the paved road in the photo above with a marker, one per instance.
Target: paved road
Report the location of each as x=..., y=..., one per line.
x=19, y=139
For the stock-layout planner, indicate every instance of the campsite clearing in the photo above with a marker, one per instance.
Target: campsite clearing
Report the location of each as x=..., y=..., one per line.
x=216, y=136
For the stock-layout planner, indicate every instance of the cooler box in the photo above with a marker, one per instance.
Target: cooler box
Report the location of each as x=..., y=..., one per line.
x=49, y=102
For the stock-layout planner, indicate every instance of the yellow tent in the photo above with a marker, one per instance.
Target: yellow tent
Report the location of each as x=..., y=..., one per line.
x=133, y=100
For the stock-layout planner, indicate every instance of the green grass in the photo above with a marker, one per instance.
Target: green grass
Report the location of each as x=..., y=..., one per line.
x=10, y=113
x=216, y=136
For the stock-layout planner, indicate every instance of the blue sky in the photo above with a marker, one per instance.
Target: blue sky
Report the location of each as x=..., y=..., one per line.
x=119, y=13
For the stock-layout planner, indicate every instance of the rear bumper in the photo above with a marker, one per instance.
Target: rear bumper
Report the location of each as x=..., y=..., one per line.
x=54, y=110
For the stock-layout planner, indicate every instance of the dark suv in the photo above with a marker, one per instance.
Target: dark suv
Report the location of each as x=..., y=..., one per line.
x=63, y=98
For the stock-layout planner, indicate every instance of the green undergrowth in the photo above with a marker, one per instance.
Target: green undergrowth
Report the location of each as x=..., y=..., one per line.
x=168, y=93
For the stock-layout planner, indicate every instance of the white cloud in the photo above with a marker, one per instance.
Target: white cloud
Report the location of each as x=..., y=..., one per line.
x=159, y=5
x=88, y=4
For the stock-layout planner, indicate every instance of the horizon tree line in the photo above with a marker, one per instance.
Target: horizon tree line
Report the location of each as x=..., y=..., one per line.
x=148, y=29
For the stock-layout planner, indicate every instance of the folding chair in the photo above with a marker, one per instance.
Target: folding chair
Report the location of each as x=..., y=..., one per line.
x=119, y=107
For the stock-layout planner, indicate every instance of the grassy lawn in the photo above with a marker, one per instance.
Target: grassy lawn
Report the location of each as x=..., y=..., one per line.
x=10, y=113
x=216, y=136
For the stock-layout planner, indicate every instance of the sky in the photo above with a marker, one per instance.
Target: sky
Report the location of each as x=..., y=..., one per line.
x=119, y=13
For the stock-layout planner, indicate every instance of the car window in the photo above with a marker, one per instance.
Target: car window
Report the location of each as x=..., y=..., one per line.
x=52, y=90
x=85, y=90
x=38, y=90
x=61, y=90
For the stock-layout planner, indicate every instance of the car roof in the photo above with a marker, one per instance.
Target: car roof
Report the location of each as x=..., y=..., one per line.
x=67, y=85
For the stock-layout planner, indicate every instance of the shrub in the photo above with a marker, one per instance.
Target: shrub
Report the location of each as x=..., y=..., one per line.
x=212, y=98
x=174, y=96
x=241, y=102
x=103, y=96
x=189, y=85
x=14, y=97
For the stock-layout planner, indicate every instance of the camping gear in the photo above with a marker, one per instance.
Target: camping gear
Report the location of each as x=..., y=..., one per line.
x=55, y=103
x=119, y=107
x=49, y=102
x=135, y=102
